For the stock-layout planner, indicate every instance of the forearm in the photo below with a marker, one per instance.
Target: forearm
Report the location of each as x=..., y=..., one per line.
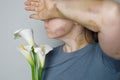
x=97, y=15
x=86, y=12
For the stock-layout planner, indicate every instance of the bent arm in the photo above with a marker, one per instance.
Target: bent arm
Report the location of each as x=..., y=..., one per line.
x=102, y=16
x=109, y=35
x=85, y=12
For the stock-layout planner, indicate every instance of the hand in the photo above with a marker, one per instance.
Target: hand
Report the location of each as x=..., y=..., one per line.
x=45, y=9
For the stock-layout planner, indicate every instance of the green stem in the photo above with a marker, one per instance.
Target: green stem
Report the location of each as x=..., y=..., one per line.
x=36, y=64
x=41, y=69
x=33, y=72
x=36, y=68
x=41, y=72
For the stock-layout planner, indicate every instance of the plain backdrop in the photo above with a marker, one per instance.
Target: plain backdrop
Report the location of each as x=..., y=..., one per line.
x=13, y=65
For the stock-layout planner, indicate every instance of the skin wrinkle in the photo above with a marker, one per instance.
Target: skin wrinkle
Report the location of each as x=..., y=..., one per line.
x=93, y=16
x=78, y=38
x=93, y=10
x=90, y=24
x=81, y=42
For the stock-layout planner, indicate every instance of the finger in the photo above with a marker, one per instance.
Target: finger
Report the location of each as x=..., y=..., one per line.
x=27, y=3
x=36, y=4
x=33, y=0
x=35, y=16
x=31, y=3
x=30, y=9
x=36, y=9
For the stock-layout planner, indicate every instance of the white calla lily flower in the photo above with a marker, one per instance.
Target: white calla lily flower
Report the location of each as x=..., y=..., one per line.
x=47, y=48
x=26, y=51
x=34, y=55
x=26, y=34
x=41, y=52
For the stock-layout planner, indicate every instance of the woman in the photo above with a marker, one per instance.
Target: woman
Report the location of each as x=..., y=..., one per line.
x=81, y=58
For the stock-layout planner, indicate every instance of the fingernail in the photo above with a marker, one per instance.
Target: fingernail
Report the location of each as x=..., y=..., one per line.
x=27, y=3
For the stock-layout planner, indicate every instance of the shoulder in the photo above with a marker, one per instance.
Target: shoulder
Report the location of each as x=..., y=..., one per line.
x=109, y=33
x=108, y=61
x=55, y=50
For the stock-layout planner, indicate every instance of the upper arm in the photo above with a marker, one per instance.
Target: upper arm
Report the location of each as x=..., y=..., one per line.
x=102, y=16
x=109, y=35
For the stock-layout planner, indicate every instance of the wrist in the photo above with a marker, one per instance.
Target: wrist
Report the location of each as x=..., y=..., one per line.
x=57, y=13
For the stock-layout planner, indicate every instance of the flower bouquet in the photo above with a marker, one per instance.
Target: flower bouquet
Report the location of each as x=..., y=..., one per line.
x=34, y=54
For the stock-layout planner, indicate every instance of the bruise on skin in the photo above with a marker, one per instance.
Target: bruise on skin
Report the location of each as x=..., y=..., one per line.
x=60, y=30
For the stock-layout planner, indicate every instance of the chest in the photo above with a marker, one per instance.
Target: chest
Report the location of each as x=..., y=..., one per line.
x=89, y=67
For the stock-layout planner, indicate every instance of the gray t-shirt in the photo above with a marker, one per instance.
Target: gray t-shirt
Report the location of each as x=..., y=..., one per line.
x=88, y=63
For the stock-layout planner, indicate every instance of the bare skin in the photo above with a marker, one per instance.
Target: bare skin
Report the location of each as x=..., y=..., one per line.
x=71, y=33
x=102, y=16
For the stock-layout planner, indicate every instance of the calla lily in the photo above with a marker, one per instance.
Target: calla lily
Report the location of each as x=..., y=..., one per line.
x=26, y=51
x=41, y=52
x=26, y=34
x=34, y=55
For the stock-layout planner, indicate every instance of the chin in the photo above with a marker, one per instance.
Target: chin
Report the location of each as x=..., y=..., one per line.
x=51, y=36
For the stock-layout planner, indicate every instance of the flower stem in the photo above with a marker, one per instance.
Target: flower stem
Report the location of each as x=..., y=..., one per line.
x=36, y=64
x=41, y=72
x=33, y=72
x=36, y=69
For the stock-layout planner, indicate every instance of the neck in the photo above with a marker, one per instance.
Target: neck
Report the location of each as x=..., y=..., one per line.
x=74, y=41
x=73, y=45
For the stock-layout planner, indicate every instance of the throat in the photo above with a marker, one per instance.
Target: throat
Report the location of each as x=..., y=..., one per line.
x=74, y=46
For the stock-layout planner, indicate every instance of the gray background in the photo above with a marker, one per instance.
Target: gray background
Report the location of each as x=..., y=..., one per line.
x=13, y=65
